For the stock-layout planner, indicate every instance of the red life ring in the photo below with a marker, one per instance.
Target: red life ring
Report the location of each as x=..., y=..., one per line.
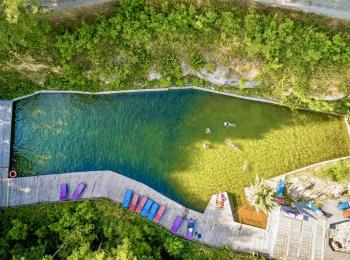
x=12, y=174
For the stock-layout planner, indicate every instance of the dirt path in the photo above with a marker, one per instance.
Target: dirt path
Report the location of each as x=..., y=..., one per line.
x=332, y=8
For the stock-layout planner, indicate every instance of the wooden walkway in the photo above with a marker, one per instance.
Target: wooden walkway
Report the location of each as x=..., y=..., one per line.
x=217, y=227
x=5, y=136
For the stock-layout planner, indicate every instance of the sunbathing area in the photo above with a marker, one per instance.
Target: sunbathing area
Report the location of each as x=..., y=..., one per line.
x=214, y=227
x=187, y=144
x=288, y=225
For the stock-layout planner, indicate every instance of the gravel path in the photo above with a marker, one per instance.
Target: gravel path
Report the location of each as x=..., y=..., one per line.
x=333, y=8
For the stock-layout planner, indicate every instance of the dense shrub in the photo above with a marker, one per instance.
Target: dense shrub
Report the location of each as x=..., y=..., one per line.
x=299, y=59
x=92, y=230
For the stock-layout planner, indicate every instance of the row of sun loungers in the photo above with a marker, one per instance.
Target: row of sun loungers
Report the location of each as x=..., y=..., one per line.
x=151, y=210
x=146, y=207
x=76, y=194
x=190, y=226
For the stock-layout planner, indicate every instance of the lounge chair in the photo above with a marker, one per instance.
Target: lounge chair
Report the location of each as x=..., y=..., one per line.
x=292, y=213
x=153, y=211
x=141, y=204
x=346, y=214
x=127, y=198
x=318, y=212
x=79, y=190
x=280, y=187
x=190, y=229
x=219, y=204
x=146, y=209
x=159, y=215
x=343, y=205
x=64, y=191
x=177, y=223
x=134, y=201
x=281, y=201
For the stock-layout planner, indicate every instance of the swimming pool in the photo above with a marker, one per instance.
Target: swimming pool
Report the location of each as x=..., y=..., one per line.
x=159, y=138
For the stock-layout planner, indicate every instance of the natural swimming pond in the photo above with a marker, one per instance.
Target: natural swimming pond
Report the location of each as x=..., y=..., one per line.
x=160, y=139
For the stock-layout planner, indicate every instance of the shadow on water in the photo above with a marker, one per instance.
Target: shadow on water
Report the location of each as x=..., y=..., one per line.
x=146, y=136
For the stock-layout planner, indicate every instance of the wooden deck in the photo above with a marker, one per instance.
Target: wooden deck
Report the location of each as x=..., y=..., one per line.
x=217, y=227
x=5, y=136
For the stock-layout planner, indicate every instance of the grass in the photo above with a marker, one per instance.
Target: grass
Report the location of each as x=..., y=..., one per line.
x=338, y=172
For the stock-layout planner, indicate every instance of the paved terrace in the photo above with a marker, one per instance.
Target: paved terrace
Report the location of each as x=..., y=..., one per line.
x=5, y=136
x=216, y=226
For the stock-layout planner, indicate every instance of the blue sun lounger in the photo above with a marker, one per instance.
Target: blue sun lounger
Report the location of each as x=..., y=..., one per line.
x=127, y=198
x=315, y=209
x=280, y=187
x=312, y=206
x=146, y=208
x=79, y=190
x=343, y=205
x=153, y=211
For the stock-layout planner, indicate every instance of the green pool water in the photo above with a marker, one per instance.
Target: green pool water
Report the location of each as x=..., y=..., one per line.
x=158, y=138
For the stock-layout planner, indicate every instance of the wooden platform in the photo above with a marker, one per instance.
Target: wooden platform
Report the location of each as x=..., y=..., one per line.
x=217, y=227
x=5, y=136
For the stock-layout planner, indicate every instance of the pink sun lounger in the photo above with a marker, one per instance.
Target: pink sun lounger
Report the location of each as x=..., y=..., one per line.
x=141, y=204
x=134, y=201
x=159, y=214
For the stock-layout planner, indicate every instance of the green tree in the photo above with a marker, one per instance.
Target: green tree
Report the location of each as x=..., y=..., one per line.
x=18, y=231
x=261, y=196
x=173, y=246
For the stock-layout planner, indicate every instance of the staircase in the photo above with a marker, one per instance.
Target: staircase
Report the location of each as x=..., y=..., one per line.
x=298, y=239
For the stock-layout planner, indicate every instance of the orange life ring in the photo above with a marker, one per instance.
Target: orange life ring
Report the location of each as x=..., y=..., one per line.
x=12, y=174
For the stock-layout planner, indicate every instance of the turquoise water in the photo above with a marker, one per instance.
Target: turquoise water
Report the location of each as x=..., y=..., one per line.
x=132, y=134
x=158, y=137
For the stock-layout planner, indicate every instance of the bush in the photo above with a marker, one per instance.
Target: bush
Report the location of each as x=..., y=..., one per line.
x=197, y=61
x=340, y=172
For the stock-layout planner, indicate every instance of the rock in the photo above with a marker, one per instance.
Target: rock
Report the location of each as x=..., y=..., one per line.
x=154, y=75
x=220, y=76
x=337, y=190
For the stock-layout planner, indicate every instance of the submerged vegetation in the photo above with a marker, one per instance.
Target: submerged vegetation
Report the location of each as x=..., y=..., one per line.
x=294, y=61
x=93, y=230
x=159, y=138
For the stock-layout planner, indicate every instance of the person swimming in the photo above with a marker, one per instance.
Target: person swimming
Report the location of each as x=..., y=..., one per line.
x=229, y=124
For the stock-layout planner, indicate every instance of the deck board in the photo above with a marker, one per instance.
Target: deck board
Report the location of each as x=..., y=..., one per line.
x=5, y=135
x=217, y=227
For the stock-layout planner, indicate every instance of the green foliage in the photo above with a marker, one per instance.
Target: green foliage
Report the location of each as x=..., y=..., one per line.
x=261, y=196
x=22, y=31
x=170, y=66
x=339, y=172
x=92, y=230
x=197, y=61
x=173, y=246
x=18, y=231
x=117, y=52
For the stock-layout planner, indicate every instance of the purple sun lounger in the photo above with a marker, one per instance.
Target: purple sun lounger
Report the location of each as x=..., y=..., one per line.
x=64, y=191
x=79, y=190
x=177, y=224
